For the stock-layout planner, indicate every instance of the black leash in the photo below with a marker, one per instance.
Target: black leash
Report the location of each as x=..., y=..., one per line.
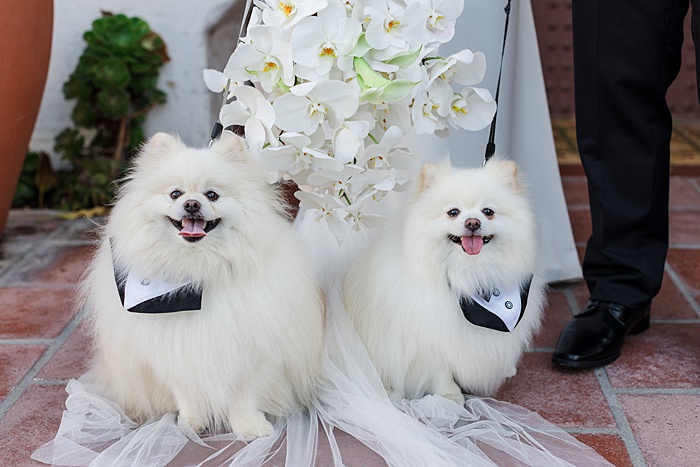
x=491, y=145
x=218, y=127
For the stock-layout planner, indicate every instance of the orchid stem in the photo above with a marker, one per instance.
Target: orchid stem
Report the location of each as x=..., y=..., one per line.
x=344, y=195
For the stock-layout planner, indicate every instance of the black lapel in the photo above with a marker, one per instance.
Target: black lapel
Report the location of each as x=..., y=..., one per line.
x=480, y=316
x=183, y=299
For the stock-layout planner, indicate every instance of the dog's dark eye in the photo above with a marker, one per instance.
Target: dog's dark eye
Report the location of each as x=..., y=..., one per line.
x=212, y=195
x=453, y=212
x=175, y=194
x=488, y=212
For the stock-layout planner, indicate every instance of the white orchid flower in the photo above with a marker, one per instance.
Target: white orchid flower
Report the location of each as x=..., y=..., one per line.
x=362, y=220
x=336, y=182
x=431, y=107
x=374, y=185
x=307, y=105
x=297, y=153
x=472, y=109
x=391, y=114
x=215, y=80
x=384, y=155
x=349, y=141
x=266, y=58
x=327, y=209
x=384, y=24
x=319, y=42
x=372, y=181
x=353, y=8
x=287, y=13
x=253, y=112
x=433, y=20
x=464, y=67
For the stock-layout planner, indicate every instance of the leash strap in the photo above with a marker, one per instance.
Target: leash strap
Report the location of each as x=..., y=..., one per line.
x=491, y=145
x=218, y=127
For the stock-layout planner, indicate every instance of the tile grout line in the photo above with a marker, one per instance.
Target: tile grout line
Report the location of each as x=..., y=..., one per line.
x=592, y=431
x=26, y=381
x=35, y=285
x=682, y=288
x=36, y=251
x=624, y=428
x=695, y=183
x=37, y=341
x=39, y=246
x=23, y=258
x=571, y=301
x=658, y=391
x=50, y=382
x=688, y=138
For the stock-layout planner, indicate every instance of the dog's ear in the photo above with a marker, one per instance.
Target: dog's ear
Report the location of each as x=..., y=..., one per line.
x=506, y=170
x=431, y=174
x=231, y=145
x=162, y=143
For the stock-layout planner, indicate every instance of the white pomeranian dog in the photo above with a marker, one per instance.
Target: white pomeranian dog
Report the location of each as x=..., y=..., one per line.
x=199, y=299
x=447, y=300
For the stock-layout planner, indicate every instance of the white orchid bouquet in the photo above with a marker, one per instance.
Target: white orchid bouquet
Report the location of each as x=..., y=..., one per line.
x=337, y=84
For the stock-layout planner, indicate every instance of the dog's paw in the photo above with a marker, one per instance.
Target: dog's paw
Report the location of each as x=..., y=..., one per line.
x=251, y=426
x=456, y=398
x=449, y=389
x=196, y=424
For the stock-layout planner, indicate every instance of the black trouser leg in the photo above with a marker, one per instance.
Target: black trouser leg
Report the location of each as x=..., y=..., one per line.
x=627, y=53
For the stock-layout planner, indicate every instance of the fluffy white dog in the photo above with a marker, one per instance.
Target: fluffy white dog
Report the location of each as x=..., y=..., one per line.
x=447, y=300
x=226, y=320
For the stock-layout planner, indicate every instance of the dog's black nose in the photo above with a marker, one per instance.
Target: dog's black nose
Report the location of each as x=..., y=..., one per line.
x=192, y=206
x=472, y=224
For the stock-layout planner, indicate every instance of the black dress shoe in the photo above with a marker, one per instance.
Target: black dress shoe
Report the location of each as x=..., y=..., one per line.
x=594, y=337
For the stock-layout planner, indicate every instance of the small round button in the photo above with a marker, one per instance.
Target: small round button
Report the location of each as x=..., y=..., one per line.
x=509, y=305
x=145, y=282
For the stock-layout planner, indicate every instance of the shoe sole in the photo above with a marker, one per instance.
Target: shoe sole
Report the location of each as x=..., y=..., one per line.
x=584, y=364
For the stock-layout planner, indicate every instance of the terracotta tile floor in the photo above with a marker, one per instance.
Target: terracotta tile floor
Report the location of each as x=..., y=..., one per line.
x=643, y=409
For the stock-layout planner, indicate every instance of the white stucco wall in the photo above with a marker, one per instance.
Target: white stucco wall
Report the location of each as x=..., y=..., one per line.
x=182, y=24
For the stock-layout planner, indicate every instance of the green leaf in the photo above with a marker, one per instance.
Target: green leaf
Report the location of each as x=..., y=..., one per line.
x=361, y=48
x=113, y=103
x=84, y=114
x=110, y=73
x=370, y=78
x=45, y=178
x=77, y=86
x=375, y=88
x=405, y=59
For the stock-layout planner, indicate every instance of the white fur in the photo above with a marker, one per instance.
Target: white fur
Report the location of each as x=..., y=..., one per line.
x=403, y=292
x=255, y=346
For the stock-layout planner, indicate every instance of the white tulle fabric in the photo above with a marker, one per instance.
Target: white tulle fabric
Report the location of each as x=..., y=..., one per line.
x=432, y=431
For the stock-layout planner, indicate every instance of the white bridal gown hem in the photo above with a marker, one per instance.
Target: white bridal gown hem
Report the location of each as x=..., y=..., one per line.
x=431, y=431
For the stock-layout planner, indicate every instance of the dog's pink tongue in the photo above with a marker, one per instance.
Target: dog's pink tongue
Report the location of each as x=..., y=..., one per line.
x=472, y=244
x=193, y=228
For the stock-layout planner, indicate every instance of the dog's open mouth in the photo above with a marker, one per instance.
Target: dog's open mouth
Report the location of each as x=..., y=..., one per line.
x=194, y=229
x=471, y=244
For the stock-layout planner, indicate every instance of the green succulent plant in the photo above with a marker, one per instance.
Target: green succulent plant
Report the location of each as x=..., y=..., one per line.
x=114, y=86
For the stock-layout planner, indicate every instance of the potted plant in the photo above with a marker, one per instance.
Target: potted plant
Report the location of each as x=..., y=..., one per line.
x=25, y=45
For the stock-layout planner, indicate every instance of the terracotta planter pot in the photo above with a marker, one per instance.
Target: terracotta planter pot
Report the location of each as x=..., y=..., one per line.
x=26, y=29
